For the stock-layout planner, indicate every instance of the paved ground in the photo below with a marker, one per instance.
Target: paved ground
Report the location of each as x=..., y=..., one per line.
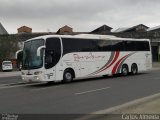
x=149, y=107
x=80, y=97
x=10, y=77
x=83, y=96
x=145, y=108
x=10, y=80
x=10, y=74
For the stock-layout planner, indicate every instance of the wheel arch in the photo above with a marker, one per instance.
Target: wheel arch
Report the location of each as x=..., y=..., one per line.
x=134, y=63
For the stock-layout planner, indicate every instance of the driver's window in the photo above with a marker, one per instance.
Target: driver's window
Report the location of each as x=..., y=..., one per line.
x=52, y=52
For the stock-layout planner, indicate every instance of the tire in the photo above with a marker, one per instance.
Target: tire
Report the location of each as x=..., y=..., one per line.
x=134, y=69
x=67, y=76
x=124, y=70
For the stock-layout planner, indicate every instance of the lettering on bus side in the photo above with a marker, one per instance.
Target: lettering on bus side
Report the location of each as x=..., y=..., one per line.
x=49, y=75
x=78, y=57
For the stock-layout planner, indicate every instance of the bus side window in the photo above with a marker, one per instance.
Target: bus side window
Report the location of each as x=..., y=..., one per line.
x=142, y=46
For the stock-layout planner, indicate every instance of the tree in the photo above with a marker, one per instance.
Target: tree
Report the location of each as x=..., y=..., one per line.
x=8, y=46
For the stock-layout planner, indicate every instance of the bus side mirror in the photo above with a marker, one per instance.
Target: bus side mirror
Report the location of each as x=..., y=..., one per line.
x=18, y=53
x=39, y=50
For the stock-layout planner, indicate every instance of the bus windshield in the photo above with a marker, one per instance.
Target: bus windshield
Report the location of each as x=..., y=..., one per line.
x=30, y=58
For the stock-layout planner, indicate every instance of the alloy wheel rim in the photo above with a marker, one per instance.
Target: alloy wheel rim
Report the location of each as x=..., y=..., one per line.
x=68, y=76
x=124, y=71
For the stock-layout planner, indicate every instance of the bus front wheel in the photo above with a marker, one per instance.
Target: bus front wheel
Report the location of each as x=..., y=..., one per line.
x=67, y=76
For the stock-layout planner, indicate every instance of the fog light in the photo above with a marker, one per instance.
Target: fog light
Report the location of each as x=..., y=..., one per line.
x=22, y=78
x=36, y=78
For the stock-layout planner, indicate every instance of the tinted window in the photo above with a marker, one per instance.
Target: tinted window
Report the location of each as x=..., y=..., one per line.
x=118, y=45
x=53, y=51
x=87, y=45
x=78, y=45
x=142, y=46
x=130, y=45
x=147, y=47
x=104, y=45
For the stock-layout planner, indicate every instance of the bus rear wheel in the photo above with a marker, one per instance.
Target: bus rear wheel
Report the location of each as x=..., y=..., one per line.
x=134, y=69
x=124, y=70
x=67, y=76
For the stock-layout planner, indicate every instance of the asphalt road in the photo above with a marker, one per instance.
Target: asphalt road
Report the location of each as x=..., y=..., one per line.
x=79, y=97
x=10, y=77
x=10, y=80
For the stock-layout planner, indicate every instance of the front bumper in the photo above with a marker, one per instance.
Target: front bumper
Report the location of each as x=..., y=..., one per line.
x=32, y=78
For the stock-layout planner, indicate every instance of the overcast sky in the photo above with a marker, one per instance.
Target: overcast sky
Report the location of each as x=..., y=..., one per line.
x=81, y=15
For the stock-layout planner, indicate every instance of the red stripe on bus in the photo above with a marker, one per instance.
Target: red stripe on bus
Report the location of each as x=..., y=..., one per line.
x=117, y=64
x=115, y=58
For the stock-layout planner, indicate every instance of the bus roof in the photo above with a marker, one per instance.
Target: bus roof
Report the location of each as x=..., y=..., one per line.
x=89, y=36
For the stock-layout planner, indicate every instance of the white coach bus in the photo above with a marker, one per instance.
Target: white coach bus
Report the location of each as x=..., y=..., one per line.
x=66, y=57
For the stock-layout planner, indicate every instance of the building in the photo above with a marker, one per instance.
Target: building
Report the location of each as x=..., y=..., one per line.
x=155, y=42
x=139, y=31
x=24, y=29
x=137, y=28
x=65, y=30
x=2, y=30
x=104, y=29
x=154, y=29
x=119, y=30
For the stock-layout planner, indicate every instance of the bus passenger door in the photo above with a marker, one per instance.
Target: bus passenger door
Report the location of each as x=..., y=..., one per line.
x=49, y=62
x=52, y=57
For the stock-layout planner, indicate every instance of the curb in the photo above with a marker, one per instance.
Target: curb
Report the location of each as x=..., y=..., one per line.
x=119, y=107
x=129, y=104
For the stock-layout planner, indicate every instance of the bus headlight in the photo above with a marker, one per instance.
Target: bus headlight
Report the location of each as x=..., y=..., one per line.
x=37, y=72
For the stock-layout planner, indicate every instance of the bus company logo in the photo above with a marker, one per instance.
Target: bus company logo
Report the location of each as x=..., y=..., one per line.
x=90, y=56
x=49, y=75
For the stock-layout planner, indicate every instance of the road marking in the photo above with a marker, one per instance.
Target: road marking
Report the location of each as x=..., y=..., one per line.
x=17, y=85
x=89, y=91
